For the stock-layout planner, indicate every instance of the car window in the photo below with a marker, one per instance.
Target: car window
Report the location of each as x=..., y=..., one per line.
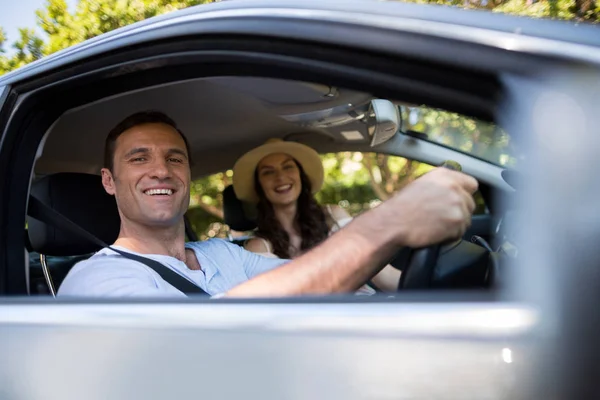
x=480, y=139
x=359, y=181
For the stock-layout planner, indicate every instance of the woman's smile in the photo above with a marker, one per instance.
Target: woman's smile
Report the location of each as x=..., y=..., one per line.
x=283, y=188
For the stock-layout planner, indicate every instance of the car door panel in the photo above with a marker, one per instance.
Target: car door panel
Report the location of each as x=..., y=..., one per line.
x=268, y=351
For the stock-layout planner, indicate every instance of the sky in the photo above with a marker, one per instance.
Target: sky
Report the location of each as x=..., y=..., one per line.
x=16, y=14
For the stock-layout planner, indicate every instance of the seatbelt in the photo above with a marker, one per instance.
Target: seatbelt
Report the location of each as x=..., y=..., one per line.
x=48, y=215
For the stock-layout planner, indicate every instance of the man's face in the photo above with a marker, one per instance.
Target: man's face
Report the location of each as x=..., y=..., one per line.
x=151, y=175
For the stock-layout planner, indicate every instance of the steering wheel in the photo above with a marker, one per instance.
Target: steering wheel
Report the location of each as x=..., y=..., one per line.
x=420, y=263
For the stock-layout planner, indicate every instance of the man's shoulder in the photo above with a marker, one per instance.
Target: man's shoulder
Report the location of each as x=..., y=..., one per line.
x=211, y=244
x=220, y=250
x=99, y=271
x=107, y=261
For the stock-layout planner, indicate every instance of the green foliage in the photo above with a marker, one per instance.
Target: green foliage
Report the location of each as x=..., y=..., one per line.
x=482, y=139
x=207, y=190
x=580, y=10
x=562, y=9
x=2, y=40
x=28, y=48
x=94, y=17
x=206, y=224
x=91, y=18
x=359, y=181
x=346, y=182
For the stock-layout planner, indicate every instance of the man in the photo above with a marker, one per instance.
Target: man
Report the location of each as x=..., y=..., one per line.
x=147, y=169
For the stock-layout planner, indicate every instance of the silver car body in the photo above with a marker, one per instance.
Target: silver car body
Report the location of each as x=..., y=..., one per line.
x=421, y=346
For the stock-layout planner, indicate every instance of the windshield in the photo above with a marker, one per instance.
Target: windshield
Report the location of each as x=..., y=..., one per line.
x=480, y=139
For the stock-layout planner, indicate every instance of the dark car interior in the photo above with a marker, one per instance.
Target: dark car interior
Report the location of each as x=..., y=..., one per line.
x=53, y=250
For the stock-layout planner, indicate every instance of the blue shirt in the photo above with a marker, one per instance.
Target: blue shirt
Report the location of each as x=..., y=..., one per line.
x=224, y=265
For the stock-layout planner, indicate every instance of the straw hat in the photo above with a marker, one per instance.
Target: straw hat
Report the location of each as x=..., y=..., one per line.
x=243, y=170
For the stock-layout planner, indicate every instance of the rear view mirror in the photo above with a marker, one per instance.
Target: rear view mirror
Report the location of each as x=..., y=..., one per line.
x=383, y=121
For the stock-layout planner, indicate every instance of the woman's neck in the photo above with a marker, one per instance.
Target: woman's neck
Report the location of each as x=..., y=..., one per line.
x=286, y=215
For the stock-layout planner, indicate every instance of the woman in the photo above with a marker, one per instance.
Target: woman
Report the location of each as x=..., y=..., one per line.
x=281, y=178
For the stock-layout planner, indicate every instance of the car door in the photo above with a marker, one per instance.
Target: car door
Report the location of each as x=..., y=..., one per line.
x=3, y=95
x=404, y=346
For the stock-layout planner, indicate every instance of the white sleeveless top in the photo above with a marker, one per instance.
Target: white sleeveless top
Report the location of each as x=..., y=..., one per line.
x=337, y=225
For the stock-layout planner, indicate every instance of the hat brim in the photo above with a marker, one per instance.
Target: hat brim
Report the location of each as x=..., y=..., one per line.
x=243, y=170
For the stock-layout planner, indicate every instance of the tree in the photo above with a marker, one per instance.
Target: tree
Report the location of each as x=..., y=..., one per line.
x=580, y=10
x=388, y=174
x=28, y=48
x=3, y=60
x=480, y=138
x=91, y=18
x=94, y=17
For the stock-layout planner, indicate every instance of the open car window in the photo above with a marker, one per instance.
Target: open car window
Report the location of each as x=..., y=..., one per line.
x=477, y=138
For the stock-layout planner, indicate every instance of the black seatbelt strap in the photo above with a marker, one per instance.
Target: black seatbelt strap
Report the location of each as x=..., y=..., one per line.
x=46, y=214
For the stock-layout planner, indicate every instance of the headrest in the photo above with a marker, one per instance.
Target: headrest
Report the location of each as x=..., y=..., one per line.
x=234, y=212
x=82, y=199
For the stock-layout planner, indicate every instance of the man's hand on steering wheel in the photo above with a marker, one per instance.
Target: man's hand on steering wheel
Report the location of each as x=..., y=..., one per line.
x=438, y=209
x=435, y=208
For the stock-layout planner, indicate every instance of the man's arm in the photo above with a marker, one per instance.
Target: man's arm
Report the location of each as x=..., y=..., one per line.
x=434, y=208
x=388, y=278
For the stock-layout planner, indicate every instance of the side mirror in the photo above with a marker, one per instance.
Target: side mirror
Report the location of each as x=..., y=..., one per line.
x=383, y=121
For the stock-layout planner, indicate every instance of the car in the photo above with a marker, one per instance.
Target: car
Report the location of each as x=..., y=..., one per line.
x=338, y=76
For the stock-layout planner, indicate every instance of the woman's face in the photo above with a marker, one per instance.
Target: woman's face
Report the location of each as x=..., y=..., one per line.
x=279, y=177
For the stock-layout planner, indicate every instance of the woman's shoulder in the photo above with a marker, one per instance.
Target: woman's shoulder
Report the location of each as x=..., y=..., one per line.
x=337, y=217
x=258, y=245
x=336, y=212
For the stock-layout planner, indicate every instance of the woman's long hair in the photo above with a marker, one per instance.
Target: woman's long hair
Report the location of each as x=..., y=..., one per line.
x=310, y=219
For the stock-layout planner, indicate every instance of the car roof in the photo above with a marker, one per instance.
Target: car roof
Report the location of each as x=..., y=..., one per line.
x=448, y=19
x=221, y=117
x=225, y=116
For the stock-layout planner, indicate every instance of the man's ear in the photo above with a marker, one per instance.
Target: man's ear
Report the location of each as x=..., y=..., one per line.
x=107, y=181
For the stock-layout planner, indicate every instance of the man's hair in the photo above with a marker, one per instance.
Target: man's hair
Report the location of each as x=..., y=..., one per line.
x=139, y=118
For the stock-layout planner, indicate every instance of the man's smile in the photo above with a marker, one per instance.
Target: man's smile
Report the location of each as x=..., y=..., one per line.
x=159, y=192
